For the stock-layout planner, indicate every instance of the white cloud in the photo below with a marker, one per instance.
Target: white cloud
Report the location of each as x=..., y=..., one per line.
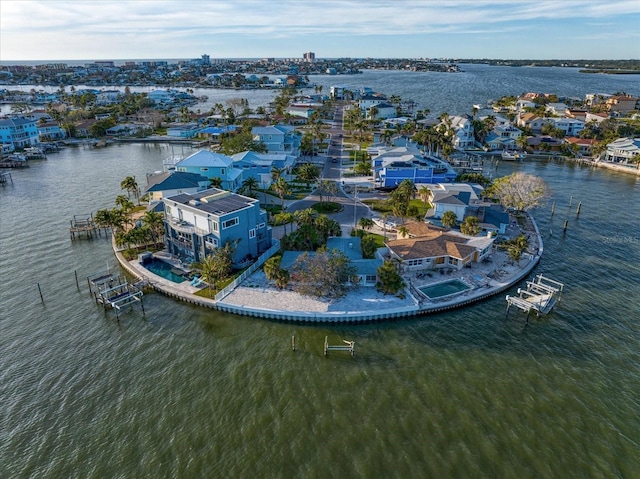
x=160, y=27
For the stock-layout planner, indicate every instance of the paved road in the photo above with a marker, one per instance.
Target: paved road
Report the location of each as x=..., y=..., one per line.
x=352, y=210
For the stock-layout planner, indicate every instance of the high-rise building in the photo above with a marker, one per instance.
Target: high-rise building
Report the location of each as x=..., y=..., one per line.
x=309, y=57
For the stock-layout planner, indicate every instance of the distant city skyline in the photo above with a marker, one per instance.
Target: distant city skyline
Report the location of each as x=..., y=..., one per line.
x=56, y=30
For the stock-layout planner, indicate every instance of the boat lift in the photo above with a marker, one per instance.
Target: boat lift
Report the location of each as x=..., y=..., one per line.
x=113, y=291
x=541, y=296
x=348, y=346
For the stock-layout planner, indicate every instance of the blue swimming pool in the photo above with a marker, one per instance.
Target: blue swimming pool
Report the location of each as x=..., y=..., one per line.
x=446, y=288
x=163, y=269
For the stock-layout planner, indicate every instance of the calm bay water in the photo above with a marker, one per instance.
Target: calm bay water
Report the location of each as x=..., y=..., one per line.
x=186, y=392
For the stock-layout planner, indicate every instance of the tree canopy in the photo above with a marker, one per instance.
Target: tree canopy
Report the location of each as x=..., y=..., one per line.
x=519, y=191
x=323, y=274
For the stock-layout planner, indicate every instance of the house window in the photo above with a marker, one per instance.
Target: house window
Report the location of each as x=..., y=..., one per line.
x=213, y=225
x=252, y=233
x=210, y=241
x=371, y=278
x=204, y=169
x=222, y=171
x=261, y=225
x=167, y=209
x=230, y=223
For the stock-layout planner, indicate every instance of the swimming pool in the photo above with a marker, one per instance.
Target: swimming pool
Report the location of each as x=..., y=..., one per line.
x=163, y=269
x=446, y=288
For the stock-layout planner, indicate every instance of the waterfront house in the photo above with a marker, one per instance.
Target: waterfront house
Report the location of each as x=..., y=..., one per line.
x=160, y=97
x=544, y=143
x=83, y=128
x=212, y=165
x=198, y=223
x=622, y=150
x=108, y=97
x=454, y=197
x=531, y=121
x=503, y=138
x=125, y=129
x=463, y=130
x=259, y=165
x=558, y=109
x=183, y=130
x=436, y=248
x=584, y=146
x=171, y=183
x=278, y=139
x=50, y=130
x=570, y=126
x=19, y=132
x=595, y=117
x=366, y=269
x=621, y=104
x=383, y=111
x=391, y=166
x=492, y=218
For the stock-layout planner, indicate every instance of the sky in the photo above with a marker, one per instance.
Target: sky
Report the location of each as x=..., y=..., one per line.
x=155, y=29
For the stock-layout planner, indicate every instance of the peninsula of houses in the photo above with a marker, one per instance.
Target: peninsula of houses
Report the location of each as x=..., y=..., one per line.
x=339, y=205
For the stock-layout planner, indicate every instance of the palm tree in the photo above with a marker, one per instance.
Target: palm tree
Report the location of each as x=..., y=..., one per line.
x=424, y=193
x=449, y=219
x=305, y=217
x=249, y=185
x=282, y=188
x=124, y=203
x=155, y=222
x=327, y=186
x=403, y=231
x=215, y=182
x=130, y=184
x=284, y=218
x=365, y=223
x=308, y=173
x=276, y=173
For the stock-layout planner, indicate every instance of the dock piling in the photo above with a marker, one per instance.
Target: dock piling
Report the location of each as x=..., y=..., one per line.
x=578, y=210
x=40, y=291
x=293, y=343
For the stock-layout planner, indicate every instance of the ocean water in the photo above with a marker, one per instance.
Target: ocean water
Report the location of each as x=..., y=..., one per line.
x=186, y=392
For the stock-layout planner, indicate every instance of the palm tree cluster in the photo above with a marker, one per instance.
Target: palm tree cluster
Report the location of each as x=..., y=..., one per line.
x=218, y=265
x=148, y=230
x=312, y=231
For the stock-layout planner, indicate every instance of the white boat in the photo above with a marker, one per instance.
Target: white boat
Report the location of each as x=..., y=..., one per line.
x=512, y=156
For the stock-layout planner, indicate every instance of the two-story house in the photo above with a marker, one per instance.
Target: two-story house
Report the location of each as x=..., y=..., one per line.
x=171, y=183
x=212, y=165
x=463, y=130
x=394, y=165
x=19, y=132
x=198, y=223
x=570, y=126
x=278, y=139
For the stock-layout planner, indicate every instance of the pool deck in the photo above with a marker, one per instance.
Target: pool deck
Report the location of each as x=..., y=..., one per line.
x=257, y=297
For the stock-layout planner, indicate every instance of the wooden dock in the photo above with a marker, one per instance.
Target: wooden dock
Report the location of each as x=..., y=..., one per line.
x=13, y=164
x=84, y=225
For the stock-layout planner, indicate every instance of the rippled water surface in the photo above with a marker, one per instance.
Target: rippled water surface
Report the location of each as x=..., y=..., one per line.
x=186, y=392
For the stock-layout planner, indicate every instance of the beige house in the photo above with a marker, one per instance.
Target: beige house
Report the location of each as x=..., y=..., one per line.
x=437, y=248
